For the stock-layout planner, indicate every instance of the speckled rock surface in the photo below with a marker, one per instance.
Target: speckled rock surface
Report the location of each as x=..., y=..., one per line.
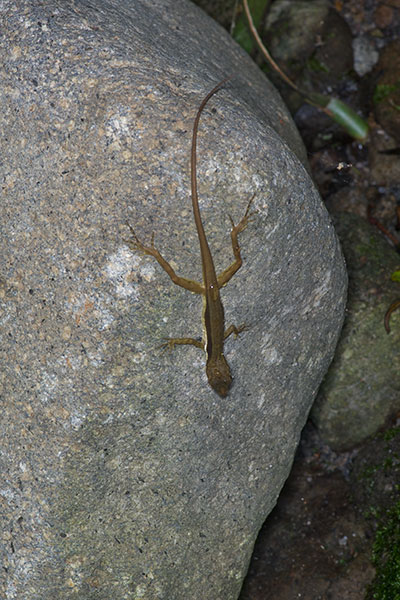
x=361, y=390
x=123, y=474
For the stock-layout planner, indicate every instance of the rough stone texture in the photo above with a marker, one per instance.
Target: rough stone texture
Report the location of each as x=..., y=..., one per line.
x=387, y=92
x=365, y=54
x=292, y=28
x=361, y=389
x=123, y=474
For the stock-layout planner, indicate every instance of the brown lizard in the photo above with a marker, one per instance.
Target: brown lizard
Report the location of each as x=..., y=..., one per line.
x=217, y=368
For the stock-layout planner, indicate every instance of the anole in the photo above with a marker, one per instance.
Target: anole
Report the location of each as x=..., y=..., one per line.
x=217, y=368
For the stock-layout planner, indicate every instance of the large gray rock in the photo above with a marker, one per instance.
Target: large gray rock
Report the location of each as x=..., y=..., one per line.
x=123, y=474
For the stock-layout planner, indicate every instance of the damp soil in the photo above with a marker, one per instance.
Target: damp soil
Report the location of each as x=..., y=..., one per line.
x=317, y=542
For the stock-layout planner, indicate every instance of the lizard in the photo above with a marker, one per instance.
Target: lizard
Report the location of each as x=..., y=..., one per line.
x=217, y=368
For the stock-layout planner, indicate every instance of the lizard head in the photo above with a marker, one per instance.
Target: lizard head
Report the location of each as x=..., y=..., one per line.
x=219, y=375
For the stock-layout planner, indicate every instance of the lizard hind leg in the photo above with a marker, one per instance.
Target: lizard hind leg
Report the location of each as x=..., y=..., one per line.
x=137, y=246
x=241, y=226
x=226, y=275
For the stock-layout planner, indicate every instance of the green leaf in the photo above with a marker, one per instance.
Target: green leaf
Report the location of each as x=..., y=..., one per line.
x=395, y=276
x=347, y=118
x=337, y=110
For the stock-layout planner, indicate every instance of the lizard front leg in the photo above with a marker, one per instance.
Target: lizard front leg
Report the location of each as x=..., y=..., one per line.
x=170, y=343
x=235, y=330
